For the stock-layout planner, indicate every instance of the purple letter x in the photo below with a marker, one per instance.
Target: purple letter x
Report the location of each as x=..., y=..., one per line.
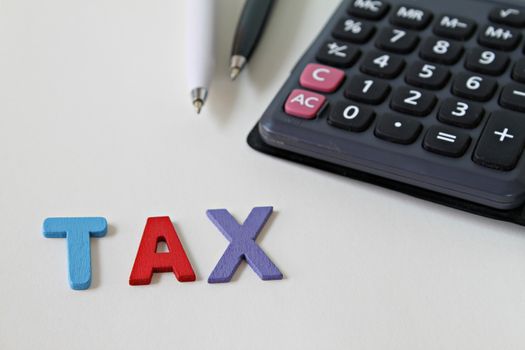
x=242, y=245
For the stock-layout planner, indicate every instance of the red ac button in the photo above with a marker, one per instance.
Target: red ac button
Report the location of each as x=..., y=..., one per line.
x=304, y=104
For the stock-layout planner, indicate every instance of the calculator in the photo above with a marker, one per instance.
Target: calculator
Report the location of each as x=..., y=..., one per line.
x=430, y=94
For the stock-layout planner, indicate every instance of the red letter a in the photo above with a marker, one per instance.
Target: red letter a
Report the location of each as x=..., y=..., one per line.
x=148, y=261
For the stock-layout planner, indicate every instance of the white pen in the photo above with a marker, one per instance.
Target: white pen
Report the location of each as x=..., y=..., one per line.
x=200, y=55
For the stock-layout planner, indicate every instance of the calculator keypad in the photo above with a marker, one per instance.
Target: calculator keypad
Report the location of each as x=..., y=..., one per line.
x=449, y=84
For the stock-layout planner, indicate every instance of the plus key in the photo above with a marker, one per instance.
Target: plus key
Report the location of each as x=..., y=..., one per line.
x=501, y=144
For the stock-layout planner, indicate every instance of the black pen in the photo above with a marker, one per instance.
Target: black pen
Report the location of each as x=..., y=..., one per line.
x=249, y=30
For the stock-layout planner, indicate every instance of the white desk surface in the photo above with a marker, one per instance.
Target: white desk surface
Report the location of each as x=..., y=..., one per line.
x=95, y=119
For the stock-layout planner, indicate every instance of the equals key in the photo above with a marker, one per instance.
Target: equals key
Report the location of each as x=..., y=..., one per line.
x=513, y=97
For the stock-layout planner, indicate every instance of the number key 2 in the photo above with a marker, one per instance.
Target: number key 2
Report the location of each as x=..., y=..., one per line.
x=412, y=101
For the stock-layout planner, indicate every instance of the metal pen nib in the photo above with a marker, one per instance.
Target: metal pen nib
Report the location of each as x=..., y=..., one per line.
x=198, y=106
x=198, y=97
x=234, y=72
x=237, y=63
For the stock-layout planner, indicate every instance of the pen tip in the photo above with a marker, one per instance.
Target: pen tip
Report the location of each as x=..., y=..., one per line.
x=234, y=73
x=198, y=105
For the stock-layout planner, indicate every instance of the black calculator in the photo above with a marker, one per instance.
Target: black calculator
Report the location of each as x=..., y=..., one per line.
x=430, y=94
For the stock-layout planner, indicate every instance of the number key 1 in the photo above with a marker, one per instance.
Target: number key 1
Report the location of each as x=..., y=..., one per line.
x=367, y=90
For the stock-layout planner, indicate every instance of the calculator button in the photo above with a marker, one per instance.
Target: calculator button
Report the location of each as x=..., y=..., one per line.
x=354, y=30
x=382, y=65
x=338, y=54
x=441, y=51
x=397, y=40
x=321, y=78
x=350, y=116
x=446, y=141
x=518, y=73
x=460, y=113
x=486, y=61
x=367, y=90
x=474, y=87
x=411, y=17
x=513, y=97
x=304, y=104
x=397, y=129
x=368, y=9
x=454, y=27
x=500, y=38
x=501, y=143
x=426, y=75
x=508, y=16
x=412, y=101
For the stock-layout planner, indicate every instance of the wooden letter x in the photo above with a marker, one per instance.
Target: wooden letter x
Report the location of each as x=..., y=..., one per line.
x=242, y=245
